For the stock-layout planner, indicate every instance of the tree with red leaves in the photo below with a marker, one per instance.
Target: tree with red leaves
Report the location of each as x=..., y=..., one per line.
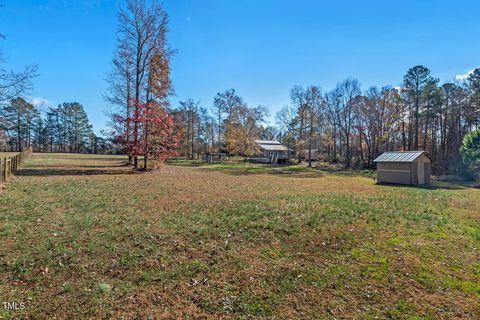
x=157, y=139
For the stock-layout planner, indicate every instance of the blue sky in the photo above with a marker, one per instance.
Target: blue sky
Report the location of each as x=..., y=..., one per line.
x=259, y=47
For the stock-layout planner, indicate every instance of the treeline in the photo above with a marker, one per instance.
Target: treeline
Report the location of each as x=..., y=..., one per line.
x=345, y=125
x=62, y=129
x=65, y=128
x=354, y=127
x=229, y=126
x=17, y=117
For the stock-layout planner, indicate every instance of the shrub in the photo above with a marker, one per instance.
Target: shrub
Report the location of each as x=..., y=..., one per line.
x=470, y=151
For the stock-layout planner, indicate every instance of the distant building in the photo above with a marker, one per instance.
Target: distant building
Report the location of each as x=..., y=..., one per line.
x=304, y=154
x=403, y=167
x=214, y=157
x=270, y=151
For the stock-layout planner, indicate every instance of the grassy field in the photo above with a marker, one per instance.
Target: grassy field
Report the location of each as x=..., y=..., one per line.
x=233, y=241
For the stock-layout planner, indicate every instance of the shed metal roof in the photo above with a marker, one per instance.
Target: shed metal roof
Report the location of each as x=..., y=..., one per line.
x=267, y=142
x=399, y=156
x=271, y=145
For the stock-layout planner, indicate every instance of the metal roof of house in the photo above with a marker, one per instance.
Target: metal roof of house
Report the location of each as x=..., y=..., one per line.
x=271, y=145
x=399, y=156
x=267, y=142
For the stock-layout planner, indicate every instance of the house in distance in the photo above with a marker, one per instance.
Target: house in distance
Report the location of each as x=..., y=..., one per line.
x=403, y=167
x=270, y=151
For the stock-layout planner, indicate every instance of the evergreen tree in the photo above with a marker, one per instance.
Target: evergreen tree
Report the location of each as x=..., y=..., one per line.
x=470, y=151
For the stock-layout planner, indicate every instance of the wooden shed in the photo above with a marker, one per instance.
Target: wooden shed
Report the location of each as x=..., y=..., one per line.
x=404, y=167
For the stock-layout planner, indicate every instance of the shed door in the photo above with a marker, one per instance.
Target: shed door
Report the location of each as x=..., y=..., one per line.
x=421, y=173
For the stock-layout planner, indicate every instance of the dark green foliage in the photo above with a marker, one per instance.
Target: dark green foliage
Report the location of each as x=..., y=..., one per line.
x=68, y=127
x=18, y=118
x=470, y=151
x=62, y=129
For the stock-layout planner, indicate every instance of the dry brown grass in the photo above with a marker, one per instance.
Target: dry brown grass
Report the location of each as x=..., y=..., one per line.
x=233, y=241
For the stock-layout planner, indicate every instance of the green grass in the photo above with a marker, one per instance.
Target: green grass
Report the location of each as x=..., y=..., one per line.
x=255, y=168
x=234, y=240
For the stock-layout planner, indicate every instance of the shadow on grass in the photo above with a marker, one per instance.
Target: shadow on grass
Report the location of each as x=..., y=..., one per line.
x=290, y=174
x=120, y=164
x=189, y=164
x=77, y=171
x=59, y=158
x=245, y=169
x=435, y=185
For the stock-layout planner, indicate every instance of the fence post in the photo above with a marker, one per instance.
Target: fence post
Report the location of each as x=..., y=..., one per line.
x=7, y=167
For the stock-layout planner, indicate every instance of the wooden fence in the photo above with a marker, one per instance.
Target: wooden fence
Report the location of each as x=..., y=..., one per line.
x=10, y=164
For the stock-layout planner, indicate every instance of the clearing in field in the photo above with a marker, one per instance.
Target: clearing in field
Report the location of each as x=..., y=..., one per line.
x=84, y=236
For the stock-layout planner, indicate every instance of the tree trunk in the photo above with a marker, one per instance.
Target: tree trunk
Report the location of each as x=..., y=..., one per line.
x=417, y=102
x=127, y=123
x=310, y=140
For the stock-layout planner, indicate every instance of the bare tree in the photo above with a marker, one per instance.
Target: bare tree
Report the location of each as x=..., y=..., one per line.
x=284, y=119
x=313, y=103
x=12, y=83
x=348, y=90
x=189, y=118
x=120, y=87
